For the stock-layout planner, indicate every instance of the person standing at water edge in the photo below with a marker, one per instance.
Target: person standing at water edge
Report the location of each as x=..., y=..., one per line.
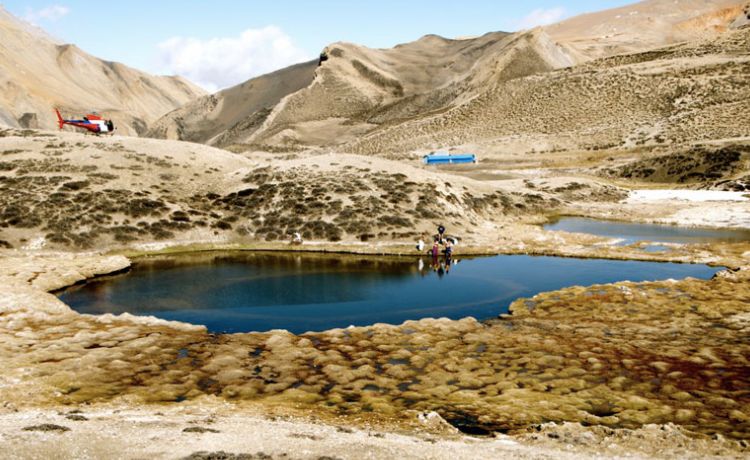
x=448, y=253
x=435, y=252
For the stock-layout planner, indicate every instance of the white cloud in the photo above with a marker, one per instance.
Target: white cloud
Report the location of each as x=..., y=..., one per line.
x=49, y=14
x=541, y=17
x=222, y=62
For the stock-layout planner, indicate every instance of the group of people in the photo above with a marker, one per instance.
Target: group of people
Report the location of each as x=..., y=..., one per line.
x=434, y=251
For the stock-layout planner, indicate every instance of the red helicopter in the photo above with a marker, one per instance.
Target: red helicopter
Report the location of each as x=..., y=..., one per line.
x=91, y=122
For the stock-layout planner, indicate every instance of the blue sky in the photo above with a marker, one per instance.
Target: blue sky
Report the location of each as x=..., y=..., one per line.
x=220, y=42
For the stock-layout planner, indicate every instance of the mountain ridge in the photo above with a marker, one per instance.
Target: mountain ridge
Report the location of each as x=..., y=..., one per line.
x=356, y=92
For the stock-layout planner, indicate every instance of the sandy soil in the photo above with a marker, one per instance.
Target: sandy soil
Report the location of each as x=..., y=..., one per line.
x=220, y=432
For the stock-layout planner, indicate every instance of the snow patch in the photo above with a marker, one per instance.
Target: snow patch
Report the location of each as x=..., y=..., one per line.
x=645, y=196
x=719, y=216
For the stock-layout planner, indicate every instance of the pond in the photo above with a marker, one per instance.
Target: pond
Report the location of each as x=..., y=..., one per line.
x=630, y=233
x=251, y=291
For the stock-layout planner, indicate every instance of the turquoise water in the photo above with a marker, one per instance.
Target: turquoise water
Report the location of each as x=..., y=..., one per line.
x=633, y=232
x=244, y=292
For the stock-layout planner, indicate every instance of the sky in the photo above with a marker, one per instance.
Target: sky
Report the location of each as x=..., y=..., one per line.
x=220, y=43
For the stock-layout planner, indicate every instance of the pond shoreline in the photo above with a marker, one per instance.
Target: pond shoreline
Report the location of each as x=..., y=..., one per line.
x=401, y=252
x=227, y=291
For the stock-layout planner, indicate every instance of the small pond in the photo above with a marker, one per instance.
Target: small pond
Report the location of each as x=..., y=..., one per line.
x=250, y=291
x=631, y=233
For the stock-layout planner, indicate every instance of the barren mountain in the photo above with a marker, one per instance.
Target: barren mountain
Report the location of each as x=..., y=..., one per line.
x=678, y=94
x=355, y=89
x=38, y=74
x=358, y=94
x=643, y=25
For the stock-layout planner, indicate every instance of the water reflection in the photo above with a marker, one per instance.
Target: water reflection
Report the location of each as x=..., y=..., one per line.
x=440, y=265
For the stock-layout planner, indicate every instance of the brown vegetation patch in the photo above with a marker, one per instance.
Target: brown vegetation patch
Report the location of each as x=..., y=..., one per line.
x=695, y=165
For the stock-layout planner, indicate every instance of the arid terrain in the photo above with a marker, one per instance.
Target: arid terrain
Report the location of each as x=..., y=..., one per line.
x=637, y=114
x=38, y=73
x=499, y=92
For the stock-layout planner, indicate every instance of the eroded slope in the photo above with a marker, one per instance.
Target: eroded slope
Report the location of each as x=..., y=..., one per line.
x=356, y=89
x=437, y=93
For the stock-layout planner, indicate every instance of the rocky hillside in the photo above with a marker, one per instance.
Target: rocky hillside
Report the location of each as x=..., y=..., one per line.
x=358, y=96
x=682, y=93
x=37, y=74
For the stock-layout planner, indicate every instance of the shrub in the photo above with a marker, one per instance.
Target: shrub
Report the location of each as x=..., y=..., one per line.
x=223, y=225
